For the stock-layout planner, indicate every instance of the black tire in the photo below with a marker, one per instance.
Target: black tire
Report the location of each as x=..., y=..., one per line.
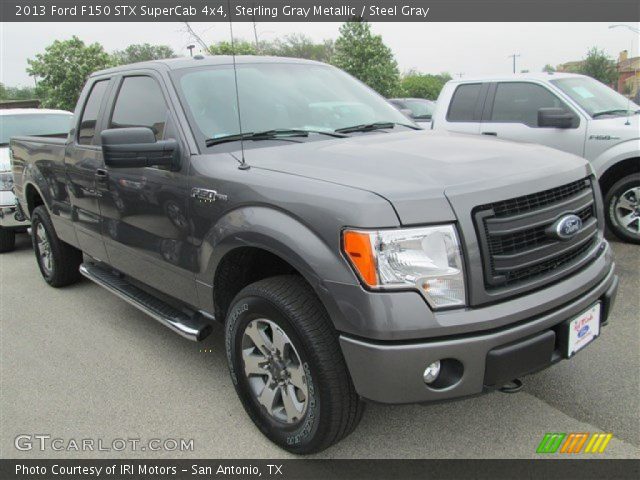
x=334, y=408
x=7, y=239
x=65, y=259
x=611, y=201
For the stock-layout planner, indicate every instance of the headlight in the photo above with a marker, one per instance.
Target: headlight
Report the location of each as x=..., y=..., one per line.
x=427, y=259
x=6, y=181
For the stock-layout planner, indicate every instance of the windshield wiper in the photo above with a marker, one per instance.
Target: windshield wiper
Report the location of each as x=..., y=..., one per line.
x=274, y=134
x=266, y=135
x=612, y=112
x=369, y=127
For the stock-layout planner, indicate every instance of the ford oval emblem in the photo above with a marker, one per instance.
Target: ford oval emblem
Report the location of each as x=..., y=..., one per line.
x=583, y=331
x=567, y=226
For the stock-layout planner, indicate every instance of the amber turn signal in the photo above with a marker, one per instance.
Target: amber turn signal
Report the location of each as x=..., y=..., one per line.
x=357, y=247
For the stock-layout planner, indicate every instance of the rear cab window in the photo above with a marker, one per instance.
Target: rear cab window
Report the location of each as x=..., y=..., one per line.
x=88, y=121
x=465, y=103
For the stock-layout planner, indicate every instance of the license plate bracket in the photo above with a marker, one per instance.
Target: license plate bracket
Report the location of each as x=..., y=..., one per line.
x=579, y=331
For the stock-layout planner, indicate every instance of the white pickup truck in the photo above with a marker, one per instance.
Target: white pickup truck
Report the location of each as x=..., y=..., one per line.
x=569, y=112
x=14, y=122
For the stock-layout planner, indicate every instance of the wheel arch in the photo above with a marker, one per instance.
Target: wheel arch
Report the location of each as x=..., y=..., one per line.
x=257, y=242
x=618, y=170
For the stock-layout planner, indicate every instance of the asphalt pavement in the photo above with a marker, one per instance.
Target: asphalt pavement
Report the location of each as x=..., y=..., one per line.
x=79, y=363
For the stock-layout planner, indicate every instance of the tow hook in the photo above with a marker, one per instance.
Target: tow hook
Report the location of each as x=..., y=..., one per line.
x=514, y=386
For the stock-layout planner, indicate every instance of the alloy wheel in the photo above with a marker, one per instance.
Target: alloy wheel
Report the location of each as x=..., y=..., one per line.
x=275, y=374
x=44, y=249
x=627, y=210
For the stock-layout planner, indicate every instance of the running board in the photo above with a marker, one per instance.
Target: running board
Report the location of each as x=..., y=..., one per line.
x=193, y=327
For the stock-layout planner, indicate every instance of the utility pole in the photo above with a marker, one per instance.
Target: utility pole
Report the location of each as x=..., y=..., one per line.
x=190, y=48
x=255, y=34
x=460, y=74
x=514, y=56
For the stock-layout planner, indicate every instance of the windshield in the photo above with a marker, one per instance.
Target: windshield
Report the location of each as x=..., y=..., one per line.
x=280, y=96
x=420, y=108
x=595, y=97
x=33, y=124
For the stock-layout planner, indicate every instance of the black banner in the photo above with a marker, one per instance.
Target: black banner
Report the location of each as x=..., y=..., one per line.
x=319, y=10
x=304, y=469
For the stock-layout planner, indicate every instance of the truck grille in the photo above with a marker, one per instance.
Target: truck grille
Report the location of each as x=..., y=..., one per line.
x=516, y=241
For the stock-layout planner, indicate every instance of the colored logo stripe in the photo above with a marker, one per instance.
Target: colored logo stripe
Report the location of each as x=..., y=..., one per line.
x=550, y=442
x=574, y=443
x=598, y=443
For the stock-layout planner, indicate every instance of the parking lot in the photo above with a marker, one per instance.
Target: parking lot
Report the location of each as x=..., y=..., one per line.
x=80, y=363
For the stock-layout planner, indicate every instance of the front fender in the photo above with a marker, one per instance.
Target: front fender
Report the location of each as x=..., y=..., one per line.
x=281, y=234
x=615, y=154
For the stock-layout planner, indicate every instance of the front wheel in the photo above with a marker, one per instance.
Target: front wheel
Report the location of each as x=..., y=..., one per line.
x=58, y=261
x=622, y=203
x=287, y=367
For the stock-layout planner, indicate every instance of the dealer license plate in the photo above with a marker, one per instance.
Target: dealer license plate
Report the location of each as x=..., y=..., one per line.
x=583, y=329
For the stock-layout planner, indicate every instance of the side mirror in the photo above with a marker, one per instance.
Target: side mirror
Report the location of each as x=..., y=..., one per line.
x=555, y=118
x=136, y=147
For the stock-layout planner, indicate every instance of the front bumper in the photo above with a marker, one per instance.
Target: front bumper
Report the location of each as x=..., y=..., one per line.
x=11, y=217
x=391, y=372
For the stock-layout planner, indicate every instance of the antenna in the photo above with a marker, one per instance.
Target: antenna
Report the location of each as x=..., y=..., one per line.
x=243, y=164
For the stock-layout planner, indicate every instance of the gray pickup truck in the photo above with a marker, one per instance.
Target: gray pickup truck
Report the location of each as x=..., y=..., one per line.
x=347, y=256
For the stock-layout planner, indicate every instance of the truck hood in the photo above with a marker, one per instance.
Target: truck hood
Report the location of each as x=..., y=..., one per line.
x=5, y=164
x=415, y=170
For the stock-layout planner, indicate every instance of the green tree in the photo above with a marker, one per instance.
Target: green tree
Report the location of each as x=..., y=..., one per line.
x=16, y=93
x=299, y=46
x=418, y=85
x=142, y=52
x=365, y=56
x=548, y=68
x=242, y=47
x=600, y=66
x=63, y=69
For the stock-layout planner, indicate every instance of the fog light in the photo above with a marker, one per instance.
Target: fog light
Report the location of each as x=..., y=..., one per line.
x=431, y=372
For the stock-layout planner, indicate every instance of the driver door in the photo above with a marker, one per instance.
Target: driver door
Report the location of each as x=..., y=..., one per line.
x=512, y=114
x=146, y=226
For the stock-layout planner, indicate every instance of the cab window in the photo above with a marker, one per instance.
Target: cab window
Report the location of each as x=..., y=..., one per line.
x=140, y=103
x=519, y=102
x=89, y=119
x=464, y=104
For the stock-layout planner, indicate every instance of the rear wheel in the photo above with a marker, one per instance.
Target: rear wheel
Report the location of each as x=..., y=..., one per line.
x=58, y=261
x=7, y=239
x=622, y=203
x=287, y=367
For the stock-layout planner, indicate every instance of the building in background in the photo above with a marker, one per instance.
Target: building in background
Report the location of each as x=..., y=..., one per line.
x=628, y=74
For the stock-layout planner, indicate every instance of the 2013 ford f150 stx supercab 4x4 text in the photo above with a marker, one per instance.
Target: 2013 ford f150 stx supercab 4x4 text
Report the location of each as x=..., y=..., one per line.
x=348, y=256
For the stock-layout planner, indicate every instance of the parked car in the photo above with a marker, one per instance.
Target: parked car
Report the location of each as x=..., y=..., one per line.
x=348, y=254
x=23, y=121
x=569, y=112
x=418, y=109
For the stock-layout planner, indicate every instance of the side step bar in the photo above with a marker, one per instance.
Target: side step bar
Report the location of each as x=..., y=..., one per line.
x=195, y=327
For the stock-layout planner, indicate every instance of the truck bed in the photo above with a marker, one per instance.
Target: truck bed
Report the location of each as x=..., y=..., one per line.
x=37, y=157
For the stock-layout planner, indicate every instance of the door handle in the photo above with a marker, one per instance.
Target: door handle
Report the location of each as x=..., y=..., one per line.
x=493, y=134
x=101, y=174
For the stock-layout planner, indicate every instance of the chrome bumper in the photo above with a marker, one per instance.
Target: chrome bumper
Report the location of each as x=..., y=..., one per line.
x=11, y=217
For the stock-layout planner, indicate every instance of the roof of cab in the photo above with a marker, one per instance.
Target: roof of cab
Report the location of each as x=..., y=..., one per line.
x=26, y=111
x=200, y=61
x=540, y=76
